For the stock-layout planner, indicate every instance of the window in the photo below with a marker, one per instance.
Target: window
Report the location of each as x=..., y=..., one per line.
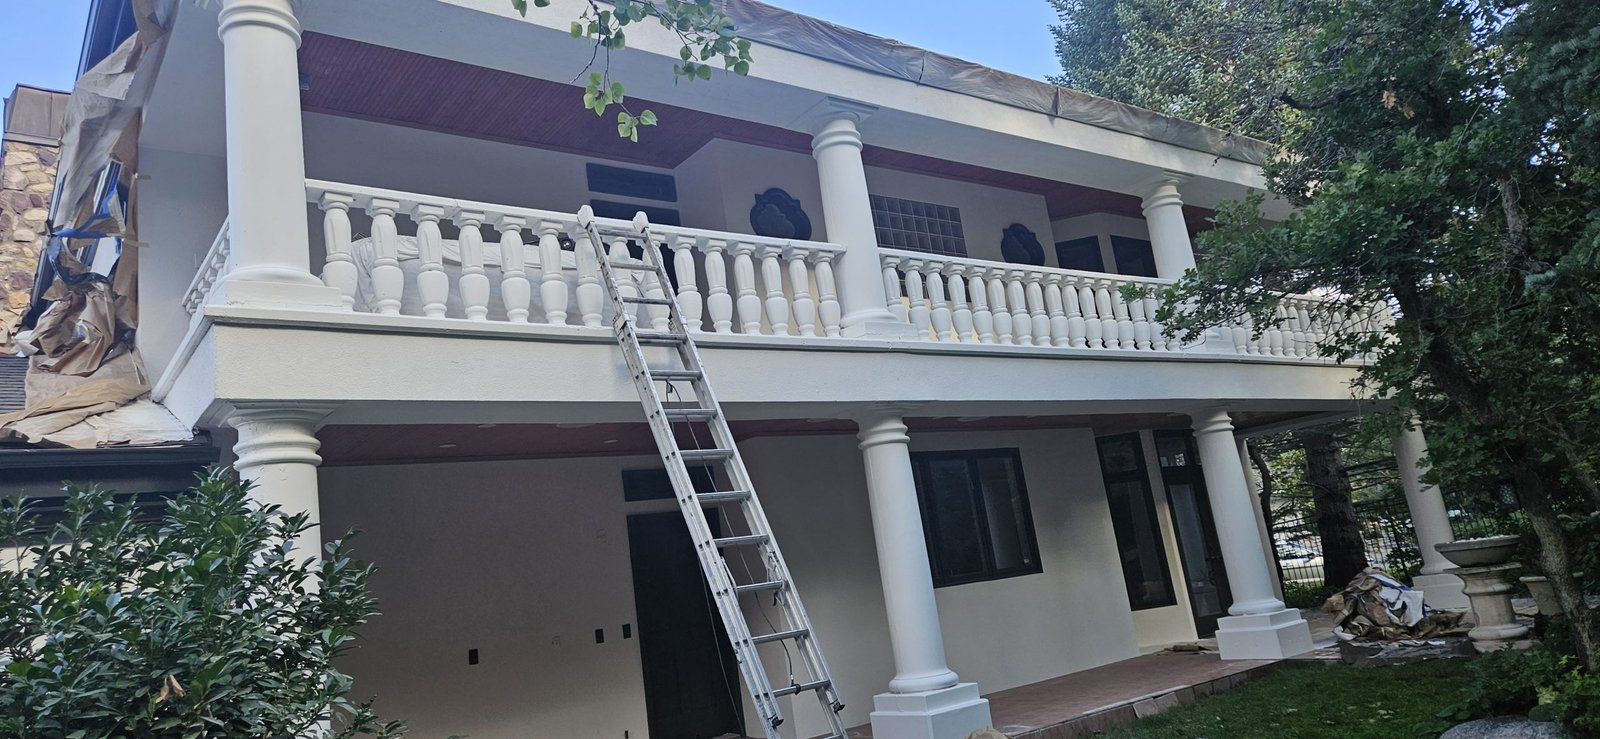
x=632, y=183
x=1134, y=256
x=654, y=484
x=1133, y=520
x=1081, y=254
x=908, y=224
x=975, y=515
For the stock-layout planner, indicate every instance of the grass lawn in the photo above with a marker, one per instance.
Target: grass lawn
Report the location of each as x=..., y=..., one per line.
x=1319, y=701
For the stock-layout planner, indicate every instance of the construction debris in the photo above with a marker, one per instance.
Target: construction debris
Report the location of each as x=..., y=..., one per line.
x=1377, y=607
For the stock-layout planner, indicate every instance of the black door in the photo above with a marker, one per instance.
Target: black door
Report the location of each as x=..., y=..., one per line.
x=691, y=680
x=1201, y=552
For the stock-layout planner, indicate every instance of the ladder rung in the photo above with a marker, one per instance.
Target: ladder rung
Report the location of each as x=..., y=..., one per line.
x=674, y=374
x=779, y=636
x=638, y=266
x=660, y=337
x=696, y=455
x=690, y=414
x=723, y=496
x=740, y=541
x=646, y=301
x=759, y=586
x=800, y=688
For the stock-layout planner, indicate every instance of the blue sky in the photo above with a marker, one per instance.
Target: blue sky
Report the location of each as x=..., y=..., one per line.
x=44, y=36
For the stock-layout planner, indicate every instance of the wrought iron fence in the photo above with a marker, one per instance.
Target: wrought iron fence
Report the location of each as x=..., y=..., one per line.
x=1386, y=534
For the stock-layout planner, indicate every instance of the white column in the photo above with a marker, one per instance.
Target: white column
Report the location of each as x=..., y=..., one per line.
x=271, y=256
x=847, y=215
x=1252, y=479
x=1169, y=233
x=1259, y=627
x=277, y=453
x=1429, y=519
x=925, y=698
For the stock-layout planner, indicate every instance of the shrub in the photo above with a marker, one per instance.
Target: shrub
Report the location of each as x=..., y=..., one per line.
x=1543, y=683
x=1306, y=595
x=201, y=623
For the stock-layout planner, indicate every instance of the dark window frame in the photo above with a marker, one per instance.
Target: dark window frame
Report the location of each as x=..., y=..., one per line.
x=631, y=183
x=930, y=523
x=1141, y=475
x=914, y=225
x=1065, y=247
x=1134, y=251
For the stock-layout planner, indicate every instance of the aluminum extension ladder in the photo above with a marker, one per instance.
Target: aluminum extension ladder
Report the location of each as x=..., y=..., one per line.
x=699, y=417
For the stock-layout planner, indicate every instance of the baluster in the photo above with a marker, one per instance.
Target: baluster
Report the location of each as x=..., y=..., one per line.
x=1077, y=336
x=1108, y=314
x=997, y=303
x=940, y=307
x=1241, y=336
x=515, y=290
x=1297, y=328
x=961, y=312
x=827, y=292
x=718, y=302
x=660, y=315
x=388, y=282
x=1056, y=311
x=744, y=279
x=1263, y=344
x=474, y=284
x=1119, y=308
x=1016, y=297
x=1139, y=323
x=591, y=294
x=1034, y=288
x=982, y=317
x=1158, y=332
x=433, y=285
x=805, y=308
x=915, y=298
x=1093, y=327
x=627, y=279
x=552, y=282
x=689, y=302
x=339, y=272
x=1275, y=335
x=891, y=289
x=777, y=301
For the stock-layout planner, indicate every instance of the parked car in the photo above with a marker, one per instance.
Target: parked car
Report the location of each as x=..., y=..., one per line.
x=1299, y=562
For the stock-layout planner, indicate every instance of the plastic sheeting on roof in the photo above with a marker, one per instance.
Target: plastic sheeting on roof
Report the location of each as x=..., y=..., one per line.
x=785, y=29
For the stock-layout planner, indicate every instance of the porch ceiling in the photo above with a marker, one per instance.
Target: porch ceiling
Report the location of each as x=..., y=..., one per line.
x=377, y=83
x=351, y=444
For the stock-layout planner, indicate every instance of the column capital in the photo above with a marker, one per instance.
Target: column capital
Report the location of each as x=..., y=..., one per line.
x=1162, y=190
x=1211, y=420
x=275, y=14
x=883, y=423
x=836, y=122
x=275, y=433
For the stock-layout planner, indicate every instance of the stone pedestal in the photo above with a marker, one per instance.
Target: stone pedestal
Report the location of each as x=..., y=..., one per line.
x=947, y=713
x=1441, y=590
x=1489, y=589
x=1273, y=635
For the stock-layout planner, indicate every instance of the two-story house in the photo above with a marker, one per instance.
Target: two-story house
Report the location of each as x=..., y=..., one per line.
x=360, y=269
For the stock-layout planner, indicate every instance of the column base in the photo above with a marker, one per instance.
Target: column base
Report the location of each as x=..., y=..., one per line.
x=1442, y=591
x=880, y=330
x=1263, y=635
x=276, y=294
x=948, y=713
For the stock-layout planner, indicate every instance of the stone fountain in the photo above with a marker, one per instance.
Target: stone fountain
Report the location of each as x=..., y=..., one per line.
x=1485, y=566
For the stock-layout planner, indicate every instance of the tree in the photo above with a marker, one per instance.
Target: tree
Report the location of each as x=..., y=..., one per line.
x=708, y=36
x=1344, y=553
x=199, y=623
x=1218, y=62
x=1448, y=169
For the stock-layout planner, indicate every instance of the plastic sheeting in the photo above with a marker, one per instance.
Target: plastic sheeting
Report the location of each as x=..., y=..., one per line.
x=784, y=29
x=1377, y=607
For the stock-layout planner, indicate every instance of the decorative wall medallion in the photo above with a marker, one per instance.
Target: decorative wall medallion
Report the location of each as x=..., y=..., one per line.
x=779, y=216
x=1018, y=245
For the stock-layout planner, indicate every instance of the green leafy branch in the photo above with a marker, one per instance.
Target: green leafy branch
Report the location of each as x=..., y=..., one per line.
x=707, y=36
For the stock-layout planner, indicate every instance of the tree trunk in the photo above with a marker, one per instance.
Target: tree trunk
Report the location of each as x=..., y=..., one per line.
x=1555, y=556
x=1264, y=471
x=1344, y=554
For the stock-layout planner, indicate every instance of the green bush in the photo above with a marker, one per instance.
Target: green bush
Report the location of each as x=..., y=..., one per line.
x=203, y=623
x=1306, y=595
x=1542, y=683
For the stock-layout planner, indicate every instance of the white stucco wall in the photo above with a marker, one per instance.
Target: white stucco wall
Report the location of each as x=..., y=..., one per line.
x=181, y=203
x=513, y=557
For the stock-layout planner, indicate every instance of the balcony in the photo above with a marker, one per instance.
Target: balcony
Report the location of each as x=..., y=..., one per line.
x=465, y=267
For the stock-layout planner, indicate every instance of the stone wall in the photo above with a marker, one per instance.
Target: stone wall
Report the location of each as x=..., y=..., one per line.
x=27, y=176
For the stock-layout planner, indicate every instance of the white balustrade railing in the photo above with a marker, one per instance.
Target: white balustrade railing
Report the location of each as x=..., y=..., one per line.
x=1301, y=325
x=547, y=271
x=212, y=267
x=978, y=302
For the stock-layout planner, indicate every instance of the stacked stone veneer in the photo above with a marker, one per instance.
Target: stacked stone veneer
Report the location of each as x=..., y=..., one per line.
x=27, y=176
